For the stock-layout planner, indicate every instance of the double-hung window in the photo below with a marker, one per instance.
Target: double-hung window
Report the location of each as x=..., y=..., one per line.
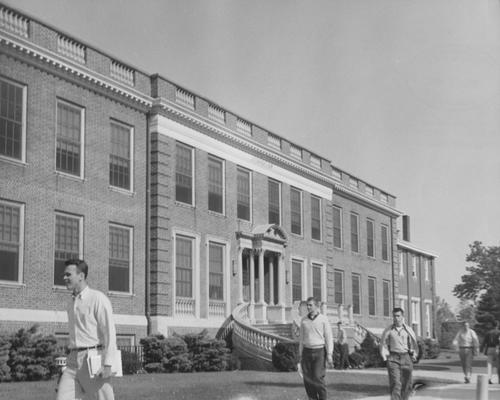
x=243, y=195
x=370, y=233
x=297, y=280
x=184, y=174
x=120, y=257
x=70, y=139
x=315, y=218
x=274, y=202
x=372, y=293
x=337, y=227
x=354, y=233
x=11, y=241
x=215, y=184
x=68, y=243
x=120, y=157
x=12, y=120
x=384, y=231
x=317, y=281
x=386, y=295
x=356, y=294
x=184, y=265
x=216, y=271
x=338, y=280
x=296, y=211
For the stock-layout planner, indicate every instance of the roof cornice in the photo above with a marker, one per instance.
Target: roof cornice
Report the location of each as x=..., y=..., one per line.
x=409, y=246
x=66, y=65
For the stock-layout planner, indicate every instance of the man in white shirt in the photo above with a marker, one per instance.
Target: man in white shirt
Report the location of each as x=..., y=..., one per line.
x=399, y=348
x=91, y=330
x=316, y=342
x=467, y=343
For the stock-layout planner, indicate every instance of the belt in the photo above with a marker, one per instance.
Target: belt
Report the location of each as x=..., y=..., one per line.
x=398, y=353
x=466, y=347
x=79, y=349
x=314, y=348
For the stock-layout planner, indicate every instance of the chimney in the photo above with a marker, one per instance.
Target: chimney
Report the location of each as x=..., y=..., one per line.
x=406, y=228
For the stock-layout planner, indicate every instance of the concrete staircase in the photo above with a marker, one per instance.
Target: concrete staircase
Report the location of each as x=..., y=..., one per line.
x=282, y=330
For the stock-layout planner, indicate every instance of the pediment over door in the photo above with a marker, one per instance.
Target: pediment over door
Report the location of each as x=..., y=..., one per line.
x=270, y=232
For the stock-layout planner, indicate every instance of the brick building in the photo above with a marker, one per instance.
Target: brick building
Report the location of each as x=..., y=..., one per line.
x=182, y=208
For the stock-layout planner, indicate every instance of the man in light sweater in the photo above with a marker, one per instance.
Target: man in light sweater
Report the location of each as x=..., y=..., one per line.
x=316, y=344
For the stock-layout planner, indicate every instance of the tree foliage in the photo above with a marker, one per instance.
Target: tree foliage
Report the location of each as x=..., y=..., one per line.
x=444, y=313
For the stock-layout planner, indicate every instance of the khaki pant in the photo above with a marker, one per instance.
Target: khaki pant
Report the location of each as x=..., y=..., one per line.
x=76, y=383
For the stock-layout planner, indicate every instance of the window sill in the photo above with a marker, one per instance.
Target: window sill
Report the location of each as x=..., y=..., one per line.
x=14, y=161
x=185, y=205
x=120, y=294
x=121, y=191
x=318, y=241
x=60, y=289
x=71, y=177
x=296, y=235
x=11, y=284
x=216, y=214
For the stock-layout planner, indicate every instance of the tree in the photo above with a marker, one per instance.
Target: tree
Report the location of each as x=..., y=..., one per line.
x=443, y=314
x=487, y=312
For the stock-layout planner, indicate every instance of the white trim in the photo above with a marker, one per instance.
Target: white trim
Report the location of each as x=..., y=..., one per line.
x=428, y=301
x=357, y=251
x=301, y=211
x=336, y=269
x=408, y=246
x=250, y=192
x=80, y=240
x=303, y=276
x=226, y=269
x=223, y=172
x=320, y=217
x=130, y=259
x=341, y=217
x=415, y=298
x=322, y=265
x=402, y=296
x=20, y=262
x=177, y=131
x=193, y=172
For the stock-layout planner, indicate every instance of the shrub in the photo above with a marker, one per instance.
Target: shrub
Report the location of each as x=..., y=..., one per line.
x=431, y=348
x=370, y=352
x=285, y=356
x=357, y=359
x=153, y=347
x=4, y=358
x=211, y=355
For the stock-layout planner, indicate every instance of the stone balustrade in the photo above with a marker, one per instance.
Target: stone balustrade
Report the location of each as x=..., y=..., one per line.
x=184, y=306
x=71, y=49
x=122, y=73
x=13, y=22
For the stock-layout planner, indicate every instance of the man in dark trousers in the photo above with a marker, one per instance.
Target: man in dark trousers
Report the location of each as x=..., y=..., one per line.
x=490, y=349
x=316, y=344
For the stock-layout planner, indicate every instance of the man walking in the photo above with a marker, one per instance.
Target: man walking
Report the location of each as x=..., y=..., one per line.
x=91, y=330
x=490, y=349
x=467, y=343
x=399, y=348
x=342, y=346
x=316, y=342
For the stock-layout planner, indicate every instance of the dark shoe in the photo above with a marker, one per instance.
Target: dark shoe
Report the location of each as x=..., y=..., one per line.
x=467, y=380
x=490, y=382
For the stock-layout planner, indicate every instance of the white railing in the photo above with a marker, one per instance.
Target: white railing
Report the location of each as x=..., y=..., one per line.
x=184, y=306
x=71, y=49
x=296, y=152
x=336, y=174
x=243, y=127
x=184, y=98
x=216, y=114
x=216, y=309
x=122, y=73
x=315, y=161
x=273, y=141
x=13, y=22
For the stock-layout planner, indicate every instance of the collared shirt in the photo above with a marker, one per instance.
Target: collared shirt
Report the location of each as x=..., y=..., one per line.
x=90, y=318
x=398, y=340
x=341, y=336
x=316, y=332
x=466, y=339
x=491, y=340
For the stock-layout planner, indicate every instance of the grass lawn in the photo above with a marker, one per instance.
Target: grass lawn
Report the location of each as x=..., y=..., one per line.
x=236, y=385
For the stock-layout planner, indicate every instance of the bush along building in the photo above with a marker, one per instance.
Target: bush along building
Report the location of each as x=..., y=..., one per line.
x=190, y=216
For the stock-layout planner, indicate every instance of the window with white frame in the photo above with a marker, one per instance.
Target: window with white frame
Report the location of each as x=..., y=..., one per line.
x=184, y=173
x=401, y=263
x=297, y=280
x=243, y=195
x=354, y=233
x=296, y=211
x=372, y=295
x=120, y=157
x=428, y=326
x=120, y=258
x=68, y=243
x=274, y=202
x=184, y=266
x=338, y=283
x=414, y=260
x=12, y=120
x=384, y=236
x=317, y=282
x=70, y=139
x=315, y=218
x=216, y=271
x=370, y=238
x=356, y=293
x=215, y=184
x=124, y=340
x=337, y=227
x=415, y=316
x=11, y=241
x=426, y=269
x=386, y=295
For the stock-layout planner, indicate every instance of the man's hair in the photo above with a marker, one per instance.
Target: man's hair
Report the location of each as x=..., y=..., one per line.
x=80, y=265
x=314, y=299
x=398, y=309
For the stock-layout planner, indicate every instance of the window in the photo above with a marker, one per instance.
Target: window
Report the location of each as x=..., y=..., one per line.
x=386, y=294
x=356, y=294
x=426, y=269
x=216, y=271
x=337, y=227
x=316, y=282
x=69, y=148
x=415, y=315
x=338, y=280
x=184, y=266
x=68, y=243
x=120, y=256
x=296, y=211
x=371, y=296
x=315, y=218
x=354, y=233
x=12, y=120
x=385, y=242
x=296, y=280
x=120, y=158
x=215, y=185
x=274, y=201
x=401, y=264
x=370, y=233
x=428, y=319
x=243, y=194
x=184, y=174
x=414, y=266
x=11, y=241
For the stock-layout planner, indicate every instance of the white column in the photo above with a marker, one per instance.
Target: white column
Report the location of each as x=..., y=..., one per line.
x=261, y=276
x=240, y=275
x=252, y=278
x=271, y=281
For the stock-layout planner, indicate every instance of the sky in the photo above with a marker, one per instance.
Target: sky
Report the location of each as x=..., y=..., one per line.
x=403, y=94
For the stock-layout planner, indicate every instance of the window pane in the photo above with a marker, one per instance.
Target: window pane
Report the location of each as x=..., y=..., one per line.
x=387, y=300
x=356, y=294
x=120, y=157
x=10, y=222
x=183, y=267
x=385, y=243
x=369, y=238
x=296, y=211
x=337, y=227
x=11, y=123
x=338, y=277
x=68, y=139
x=215, y=185
x=371, y=296
x=243, y=194
x=296, y=280
x=67, y=244
x=119, y=259
x=316, y=281
x=315, y=218
x=184, y=174
x=216, y=272
x=274, y=202
x=354, y=233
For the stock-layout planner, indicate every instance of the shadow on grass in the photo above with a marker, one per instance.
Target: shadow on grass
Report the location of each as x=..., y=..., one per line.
x=333, y=387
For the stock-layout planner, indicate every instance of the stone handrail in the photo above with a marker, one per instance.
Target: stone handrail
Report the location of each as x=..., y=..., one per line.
x=361, y=332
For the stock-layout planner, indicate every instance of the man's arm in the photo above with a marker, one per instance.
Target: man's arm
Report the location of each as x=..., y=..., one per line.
x=383, y=349
x=106, y=327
